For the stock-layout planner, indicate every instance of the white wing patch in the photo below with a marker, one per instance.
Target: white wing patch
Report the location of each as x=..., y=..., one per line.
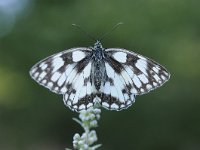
x=120, y=56
x=137, y=82
x=78, y=55
x=107, y=88
x=55, y=76
x=57, y=63
x=87, y=70
x=142, y=65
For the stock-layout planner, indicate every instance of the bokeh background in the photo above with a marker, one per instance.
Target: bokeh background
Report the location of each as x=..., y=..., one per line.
x=168, y=31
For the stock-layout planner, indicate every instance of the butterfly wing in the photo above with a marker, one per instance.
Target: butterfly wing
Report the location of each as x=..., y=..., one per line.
x=68, y=73
x=115, y=94
x=53, y=71
x=129, y=74
x=140, y=73
x=81, y=93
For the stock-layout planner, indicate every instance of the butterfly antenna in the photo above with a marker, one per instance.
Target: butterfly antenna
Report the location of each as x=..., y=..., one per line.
x=112, y=29
x=78, y=27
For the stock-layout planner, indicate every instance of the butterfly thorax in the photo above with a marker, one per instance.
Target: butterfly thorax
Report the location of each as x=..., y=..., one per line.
x=99, y=68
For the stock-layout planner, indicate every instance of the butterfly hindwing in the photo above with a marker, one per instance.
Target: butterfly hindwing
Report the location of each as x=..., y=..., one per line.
x=140, y=73
x=81, y=93
x=116, y=95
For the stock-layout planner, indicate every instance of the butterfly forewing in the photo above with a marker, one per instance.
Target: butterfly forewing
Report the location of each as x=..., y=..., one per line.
x=54, y=71
x=140, y=73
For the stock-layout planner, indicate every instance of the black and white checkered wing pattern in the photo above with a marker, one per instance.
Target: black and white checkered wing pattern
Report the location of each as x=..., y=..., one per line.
x=67, y=73
x=116, y=92
x=86, y=76
x=138, y=74
x=129, y=74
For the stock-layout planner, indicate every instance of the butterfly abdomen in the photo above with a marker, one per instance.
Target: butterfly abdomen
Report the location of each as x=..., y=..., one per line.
x=98, y=74
x=99, y=68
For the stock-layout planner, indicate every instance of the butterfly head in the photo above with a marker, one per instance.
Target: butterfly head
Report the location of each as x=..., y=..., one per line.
x=98, y=45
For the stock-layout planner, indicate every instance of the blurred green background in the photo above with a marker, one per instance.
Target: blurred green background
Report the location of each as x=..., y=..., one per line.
x=168, y=31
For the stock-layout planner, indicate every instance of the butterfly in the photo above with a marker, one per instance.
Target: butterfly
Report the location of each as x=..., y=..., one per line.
x=110, y=77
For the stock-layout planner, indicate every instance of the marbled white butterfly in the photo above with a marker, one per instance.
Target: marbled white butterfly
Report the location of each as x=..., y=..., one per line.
x=110, y=77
